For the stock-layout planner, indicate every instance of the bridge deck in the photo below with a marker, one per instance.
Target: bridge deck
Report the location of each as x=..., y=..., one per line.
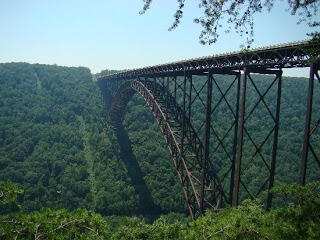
x=289, y=55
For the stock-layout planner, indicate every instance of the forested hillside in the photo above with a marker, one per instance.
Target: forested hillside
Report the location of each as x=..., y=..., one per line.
x=54, y=143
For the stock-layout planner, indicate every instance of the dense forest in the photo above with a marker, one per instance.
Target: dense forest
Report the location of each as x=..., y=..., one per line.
x=54, y=143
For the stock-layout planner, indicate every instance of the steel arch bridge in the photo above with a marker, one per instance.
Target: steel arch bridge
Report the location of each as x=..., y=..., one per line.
x=172, y=91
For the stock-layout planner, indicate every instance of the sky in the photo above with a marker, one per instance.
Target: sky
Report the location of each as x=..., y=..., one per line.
x=110, y=34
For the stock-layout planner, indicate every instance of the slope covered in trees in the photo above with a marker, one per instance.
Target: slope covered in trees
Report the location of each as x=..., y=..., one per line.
x=54, y=144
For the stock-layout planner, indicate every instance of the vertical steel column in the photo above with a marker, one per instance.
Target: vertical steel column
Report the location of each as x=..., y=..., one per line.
x=154, y=86
x=189, y=103
x=190, y=94
x=167, y=97
x=304, y=160
x=175, y=88
x=184, y=111
x=235, y=140
x=116, y=85
x=243, y=106
x=206, y=140
x=175, y=91
x=275, y=141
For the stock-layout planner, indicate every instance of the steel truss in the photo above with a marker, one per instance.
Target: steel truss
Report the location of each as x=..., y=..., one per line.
x=310, y=128
x=258, y=145
x=170, y=93
x=289, y=55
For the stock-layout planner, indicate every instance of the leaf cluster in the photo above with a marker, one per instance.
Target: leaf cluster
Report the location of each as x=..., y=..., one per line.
x=9, y=192
x=239, y=16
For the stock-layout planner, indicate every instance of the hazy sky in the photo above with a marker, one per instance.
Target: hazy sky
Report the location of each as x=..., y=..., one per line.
x=111, y=34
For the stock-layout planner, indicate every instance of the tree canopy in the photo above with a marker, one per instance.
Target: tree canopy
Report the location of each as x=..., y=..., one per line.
x=239, y=16
x=250, y=221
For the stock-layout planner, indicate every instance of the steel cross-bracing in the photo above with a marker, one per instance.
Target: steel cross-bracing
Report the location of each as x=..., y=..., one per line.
x=212, y=161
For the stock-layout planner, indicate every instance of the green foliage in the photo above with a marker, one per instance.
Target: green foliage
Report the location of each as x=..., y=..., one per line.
x=52, y=141
x=243, y=222
x=46, y=223
x=9, y=192
x=302, y=219
x=239, y=16
x=49, y=224
x=162, y=228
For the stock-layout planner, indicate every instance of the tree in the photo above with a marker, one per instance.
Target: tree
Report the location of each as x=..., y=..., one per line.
x=240, y=16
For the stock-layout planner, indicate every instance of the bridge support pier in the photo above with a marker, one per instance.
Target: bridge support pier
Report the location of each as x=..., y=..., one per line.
x=235, y=140
x=308, y=131
x=206, y=140
x=244, y=131
x=243, y=105
x=214, y=193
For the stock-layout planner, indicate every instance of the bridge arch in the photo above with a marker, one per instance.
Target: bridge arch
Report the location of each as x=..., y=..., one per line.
x=186, y=150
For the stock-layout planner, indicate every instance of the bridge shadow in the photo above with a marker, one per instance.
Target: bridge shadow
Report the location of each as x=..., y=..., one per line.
x=146, y=204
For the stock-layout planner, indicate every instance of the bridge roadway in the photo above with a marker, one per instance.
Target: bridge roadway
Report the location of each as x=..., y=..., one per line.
x=170, y=92
x=289, y=55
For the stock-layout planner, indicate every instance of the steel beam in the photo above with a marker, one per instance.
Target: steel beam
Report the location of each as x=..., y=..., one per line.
x=235, y=141
x=275, y=141
x=167, y=94
x=190, y=96
x=239, y=157
x=184, y=113
x=206, y=141
x=286, y=56
x=306, y=143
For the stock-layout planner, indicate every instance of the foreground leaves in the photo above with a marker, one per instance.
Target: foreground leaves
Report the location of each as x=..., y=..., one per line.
x=298, y=220
x=49, y=224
